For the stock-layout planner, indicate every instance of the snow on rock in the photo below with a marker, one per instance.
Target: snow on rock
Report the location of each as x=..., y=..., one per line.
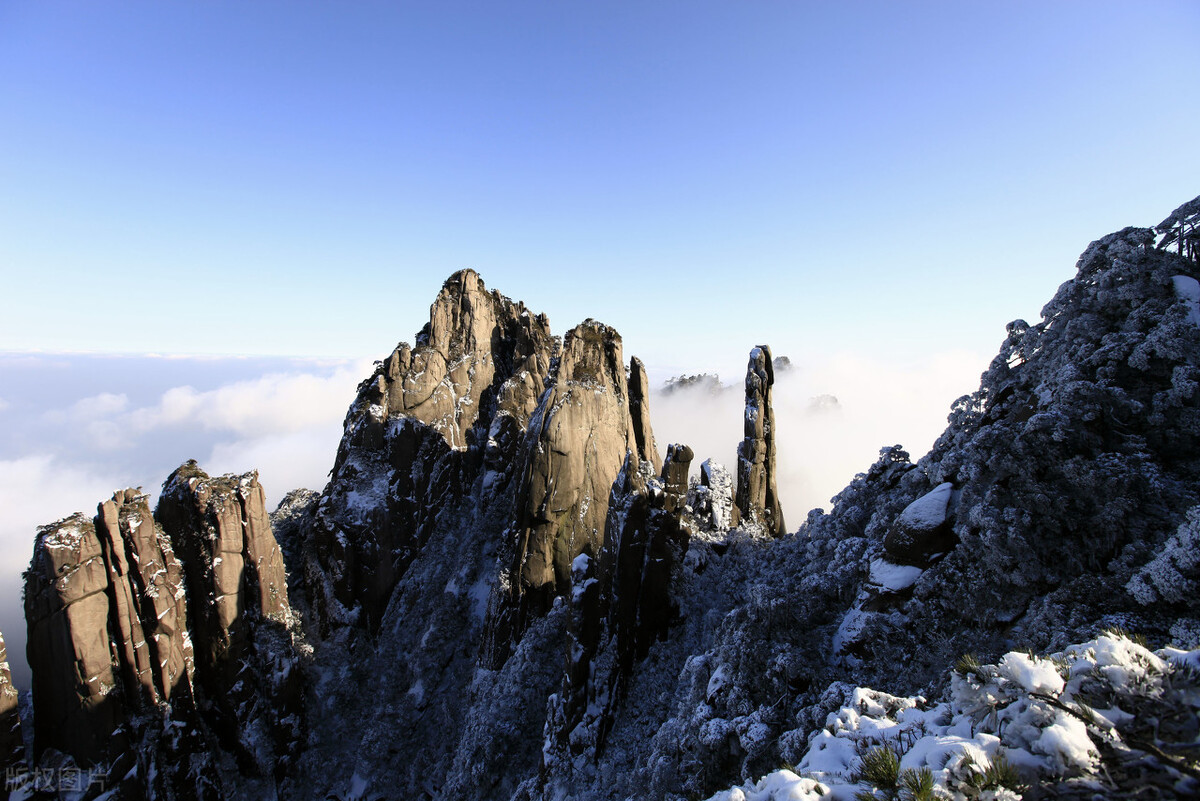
x=1025, y=711
x=1033, y=674
x=928, y=511
x=782, y=785
x=1187, y=289
x=893, y=577
x=717, y=682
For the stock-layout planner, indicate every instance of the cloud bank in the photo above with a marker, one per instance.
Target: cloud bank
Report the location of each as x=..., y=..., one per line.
x=833, y=413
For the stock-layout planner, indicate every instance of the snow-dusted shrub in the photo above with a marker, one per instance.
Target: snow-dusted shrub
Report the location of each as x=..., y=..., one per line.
x=1171, y=576
x=1081, y=716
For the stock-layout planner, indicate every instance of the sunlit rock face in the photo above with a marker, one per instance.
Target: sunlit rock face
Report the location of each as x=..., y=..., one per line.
x=12, y=749
x=108, y=644
x=757, y=493
x=587, y=422
x=431, y=423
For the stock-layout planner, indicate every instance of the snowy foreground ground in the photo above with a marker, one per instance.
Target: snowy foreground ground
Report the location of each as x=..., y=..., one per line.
x=1104, y=707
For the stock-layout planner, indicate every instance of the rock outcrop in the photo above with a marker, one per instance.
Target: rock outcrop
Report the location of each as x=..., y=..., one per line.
x=514, y=599
x=105, y=605
x=431, y=422
x=757, y=495
x=111, y=657
x=247, y=667
x=12, y=748
x=621, y=602
x=577, y=441
x=639, y=412
x=923, y=530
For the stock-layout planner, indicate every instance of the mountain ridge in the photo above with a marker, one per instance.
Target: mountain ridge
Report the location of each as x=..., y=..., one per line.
x=501, y=549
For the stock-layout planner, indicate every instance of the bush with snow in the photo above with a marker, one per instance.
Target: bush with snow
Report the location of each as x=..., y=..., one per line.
x=1107, y=714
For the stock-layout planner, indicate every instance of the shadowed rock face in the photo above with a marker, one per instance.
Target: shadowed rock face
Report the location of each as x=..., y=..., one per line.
x=639, y=411
x=757, y=496
x=431, y=422
x=106, y=610
x=240, y=617
x=621, y=603
x=12, y=750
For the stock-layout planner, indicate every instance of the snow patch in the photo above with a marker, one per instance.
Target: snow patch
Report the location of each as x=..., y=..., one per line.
x=928, y=511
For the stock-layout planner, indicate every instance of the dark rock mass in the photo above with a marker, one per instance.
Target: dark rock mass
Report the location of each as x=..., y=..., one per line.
x=757, y=495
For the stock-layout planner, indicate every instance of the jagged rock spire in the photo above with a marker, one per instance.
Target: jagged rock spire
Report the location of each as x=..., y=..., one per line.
x=431, y=421
x=240, y=616
x=757, y=495
x=639, y=410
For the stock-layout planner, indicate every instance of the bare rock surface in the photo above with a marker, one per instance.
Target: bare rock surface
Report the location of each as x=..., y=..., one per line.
x=105, y=604
x=12, y=748
x=757, y=494
x=580, y=435
x=111, y=656
x=242, y=626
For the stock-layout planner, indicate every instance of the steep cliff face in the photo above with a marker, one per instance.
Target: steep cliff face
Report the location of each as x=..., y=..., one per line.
x=247, y=665
x=578, y=439
x=425, y=428
x=109, y=648
x=621, y=604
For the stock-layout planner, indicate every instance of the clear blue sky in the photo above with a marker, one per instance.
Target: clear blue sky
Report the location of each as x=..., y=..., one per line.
x=300, y=177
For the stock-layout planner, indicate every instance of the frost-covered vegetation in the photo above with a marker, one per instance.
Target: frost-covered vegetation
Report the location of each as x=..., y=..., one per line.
x=1104, y=717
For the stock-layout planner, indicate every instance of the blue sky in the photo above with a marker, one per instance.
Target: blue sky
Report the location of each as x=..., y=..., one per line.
x=873, y=189
x=298, y=178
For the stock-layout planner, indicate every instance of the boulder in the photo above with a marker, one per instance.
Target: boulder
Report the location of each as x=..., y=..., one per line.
x=923, y=529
